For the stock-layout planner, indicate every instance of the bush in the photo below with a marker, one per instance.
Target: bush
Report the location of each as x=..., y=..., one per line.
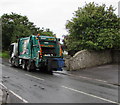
x=93, y=27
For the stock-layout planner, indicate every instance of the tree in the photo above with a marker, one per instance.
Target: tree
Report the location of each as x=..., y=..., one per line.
x=15, y=26
x=93, y=27
x=46, y=32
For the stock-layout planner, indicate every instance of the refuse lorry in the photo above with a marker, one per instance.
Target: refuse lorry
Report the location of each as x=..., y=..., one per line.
x=37, y=52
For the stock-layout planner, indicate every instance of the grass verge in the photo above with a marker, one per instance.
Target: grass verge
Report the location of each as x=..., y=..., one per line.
x=4, y=54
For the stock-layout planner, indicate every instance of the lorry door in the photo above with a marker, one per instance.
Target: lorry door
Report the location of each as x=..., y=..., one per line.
x=35, y=48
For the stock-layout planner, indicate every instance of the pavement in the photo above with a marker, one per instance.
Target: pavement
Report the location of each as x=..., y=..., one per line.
x=108, y=73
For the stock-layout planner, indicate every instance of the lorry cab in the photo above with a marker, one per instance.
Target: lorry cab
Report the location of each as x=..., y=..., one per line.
x=13, y=49
x=13, y=54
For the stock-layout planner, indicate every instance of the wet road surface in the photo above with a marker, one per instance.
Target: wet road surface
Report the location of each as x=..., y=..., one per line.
x=36, y=87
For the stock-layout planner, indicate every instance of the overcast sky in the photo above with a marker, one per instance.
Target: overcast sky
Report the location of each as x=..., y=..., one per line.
x=51, y=14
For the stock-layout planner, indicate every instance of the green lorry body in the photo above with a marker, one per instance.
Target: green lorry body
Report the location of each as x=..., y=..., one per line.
x=44, y=51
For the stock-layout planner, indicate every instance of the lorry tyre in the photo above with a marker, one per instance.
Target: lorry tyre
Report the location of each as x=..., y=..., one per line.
x=16, y=63
x=12, y=62
x=28, y=67
x=24, y=65
x=31, y=66
x=50, y=72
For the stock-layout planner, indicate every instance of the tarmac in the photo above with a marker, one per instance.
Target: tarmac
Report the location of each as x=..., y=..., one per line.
x=108, y=73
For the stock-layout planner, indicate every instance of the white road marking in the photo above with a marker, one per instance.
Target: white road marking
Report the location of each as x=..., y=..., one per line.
x=89, y=78
x=3, y=85
x=25, y=101
x=89, y=94
x=93, y=79
x=57, y=74
x=35, y=77
x=19, y=96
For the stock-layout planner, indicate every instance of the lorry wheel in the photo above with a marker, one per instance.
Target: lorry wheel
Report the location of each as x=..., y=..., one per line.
x=16, y=63
x=12, y=63
x=24, y=65
x=29, y=68
x=50, y=72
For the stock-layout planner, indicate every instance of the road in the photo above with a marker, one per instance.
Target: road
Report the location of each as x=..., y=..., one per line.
x=37, y=87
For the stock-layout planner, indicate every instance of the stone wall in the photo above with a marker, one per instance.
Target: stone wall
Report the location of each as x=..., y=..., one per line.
x=85, y=59
x=115, y=56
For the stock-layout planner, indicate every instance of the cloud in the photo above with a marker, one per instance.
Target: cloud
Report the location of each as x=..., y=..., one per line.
x=51, y=14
